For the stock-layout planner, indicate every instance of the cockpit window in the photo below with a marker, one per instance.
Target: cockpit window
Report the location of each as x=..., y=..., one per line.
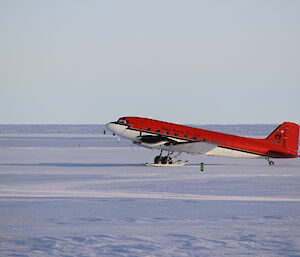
x=121, y=121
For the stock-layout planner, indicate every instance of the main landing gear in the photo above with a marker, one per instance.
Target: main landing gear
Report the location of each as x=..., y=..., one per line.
x=269, y=161
x=159, y=159
x=163, y=159
x=167, y=160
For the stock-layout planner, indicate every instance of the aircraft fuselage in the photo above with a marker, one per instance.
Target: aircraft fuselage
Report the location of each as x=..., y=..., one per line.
x=179, y=138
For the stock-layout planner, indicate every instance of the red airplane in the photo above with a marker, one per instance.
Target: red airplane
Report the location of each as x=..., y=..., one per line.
x=170, y=137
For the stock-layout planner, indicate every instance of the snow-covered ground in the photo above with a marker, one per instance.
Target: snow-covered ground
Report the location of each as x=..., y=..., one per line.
x=98, y=199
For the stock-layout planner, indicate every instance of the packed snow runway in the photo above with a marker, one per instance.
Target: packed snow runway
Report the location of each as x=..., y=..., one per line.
x=87, y=195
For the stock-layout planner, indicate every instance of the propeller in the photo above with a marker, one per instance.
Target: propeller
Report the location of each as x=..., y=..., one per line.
x=104, y=132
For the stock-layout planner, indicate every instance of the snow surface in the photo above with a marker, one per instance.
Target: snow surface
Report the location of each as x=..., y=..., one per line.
x=98, y=199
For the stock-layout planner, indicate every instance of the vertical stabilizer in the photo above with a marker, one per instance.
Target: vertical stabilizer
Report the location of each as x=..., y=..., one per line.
x=286, y=136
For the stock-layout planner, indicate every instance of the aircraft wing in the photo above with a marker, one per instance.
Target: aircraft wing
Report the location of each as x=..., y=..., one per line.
x=192, y=147
x=168, y=144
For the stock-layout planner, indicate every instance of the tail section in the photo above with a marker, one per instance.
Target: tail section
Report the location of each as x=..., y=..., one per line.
x=286, y=136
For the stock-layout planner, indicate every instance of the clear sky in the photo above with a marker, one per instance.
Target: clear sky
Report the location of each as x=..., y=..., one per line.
x=203, y=61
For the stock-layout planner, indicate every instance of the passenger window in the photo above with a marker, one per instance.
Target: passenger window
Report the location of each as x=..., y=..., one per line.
x=167, y=132
x=158, y=130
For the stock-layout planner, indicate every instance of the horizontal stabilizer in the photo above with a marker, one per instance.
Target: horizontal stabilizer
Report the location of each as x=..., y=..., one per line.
x=192, y=147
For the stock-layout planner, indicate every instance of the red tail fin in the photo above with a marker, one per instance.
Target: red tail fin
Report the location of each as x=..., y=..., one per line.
x=286, y=135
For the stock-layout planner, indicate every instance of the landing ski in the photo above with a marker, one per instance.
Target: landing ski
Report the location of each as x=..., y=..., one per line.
x=176, y=164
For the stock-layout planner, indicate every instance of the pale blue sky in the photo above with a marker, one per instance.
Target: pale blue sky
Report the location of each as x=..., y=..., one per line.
x=188, y=61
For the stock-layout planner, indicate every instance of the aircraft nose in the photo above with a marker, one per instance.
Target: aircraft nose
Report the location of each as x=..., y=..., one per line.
x=111, y=126
x=115, y=128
